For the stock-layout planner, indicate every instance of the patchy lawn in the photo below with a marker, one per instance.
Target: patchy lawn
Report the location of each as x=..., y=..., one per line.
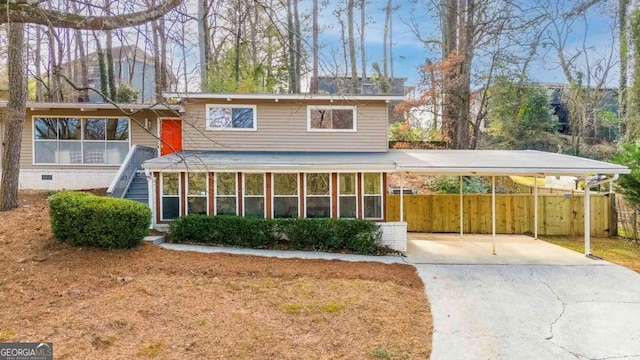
x=155, y=303
x=616, y=250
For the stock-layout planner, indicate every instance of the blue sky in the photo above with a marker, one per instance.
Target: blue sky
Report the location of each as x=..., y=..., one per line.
x=409, y=54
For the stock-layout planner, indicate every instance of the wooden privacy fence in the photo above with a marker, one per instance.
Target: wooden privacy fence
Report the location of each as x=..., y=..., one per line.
x=558, y=214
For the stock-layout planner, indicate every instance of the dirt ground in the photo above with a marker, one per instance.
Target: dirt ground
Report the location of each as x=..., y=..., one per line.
x=154, y=303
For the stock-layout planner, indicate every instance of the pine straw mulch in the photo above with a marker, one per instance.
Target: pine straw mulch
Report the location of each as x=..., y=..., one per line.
x=154, y=303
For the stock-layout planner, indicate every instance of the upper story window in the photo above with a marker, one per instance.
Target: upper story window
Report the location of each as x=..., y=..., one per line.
x=331, y=118
x=76, y=140
x=231, y=117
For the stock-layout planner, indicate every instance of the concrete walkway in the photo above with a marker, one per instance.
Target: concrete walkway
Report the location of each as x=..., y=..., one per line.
x=288, y=254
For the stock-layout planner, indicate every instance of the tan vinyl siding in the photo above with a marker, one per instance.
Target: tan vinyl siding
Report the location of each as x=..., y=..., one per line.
x=139, y=135
x=282, y=126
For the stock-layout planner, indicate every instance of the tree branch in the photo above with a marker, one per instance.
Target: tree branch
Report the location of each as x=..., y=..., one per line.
x=21, y=12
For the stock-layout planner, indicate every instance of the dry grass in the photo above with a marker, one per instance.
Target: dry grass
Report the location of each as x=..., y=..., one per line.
x=616, y=250
x=154, y=303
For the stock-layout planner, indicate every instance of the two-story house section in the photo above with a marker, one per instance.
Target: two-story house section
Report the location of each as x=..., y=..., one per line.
x=273, y=156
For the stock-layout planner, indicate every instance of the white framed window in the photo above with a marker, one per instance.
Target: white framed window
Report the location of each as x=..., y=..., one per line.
x=372, y=196
x=80, y=140
x=170, y=193
x=347, y=196
x=331, y=118
x=254, y=195
x=231, y=117
x=226, y=193
x=286, y=200
x=317, y=195
x=197, y=190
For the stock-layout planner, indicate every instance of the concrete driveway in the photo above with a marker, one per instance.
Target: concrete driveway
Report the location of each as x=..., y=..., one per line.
x=538, y=310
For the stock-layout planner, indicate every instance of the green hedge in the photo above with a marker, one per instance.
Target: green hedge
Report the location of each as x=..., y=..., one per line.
x=85, y=219
x=358, y=236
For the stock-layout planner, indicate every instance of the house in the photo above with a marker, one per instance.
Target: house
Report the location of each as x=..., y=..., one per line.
x=263, y=155
x=132, y=66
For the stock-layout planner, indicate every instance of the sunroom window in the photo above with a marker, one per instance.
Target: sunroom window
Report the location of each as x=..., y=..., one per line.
x=372, y=195
x=230, y=117
x=226, y=194
x=197, y=193
x=80, y=140
x=254, y=195
x=170, y=196
x=285, y=196
x=347, y=196
x=318, y=195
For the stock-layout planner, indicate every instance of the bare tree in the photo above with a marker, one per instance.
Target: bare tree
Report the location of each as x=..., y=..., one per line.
x=16, y=14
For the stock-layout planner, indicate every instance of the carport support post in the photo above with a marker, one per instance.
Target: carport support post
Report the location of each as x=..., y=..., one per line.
x=401, y=197
x=461, y=211
x=535, y=209
x=493, y=212
x=587, y=218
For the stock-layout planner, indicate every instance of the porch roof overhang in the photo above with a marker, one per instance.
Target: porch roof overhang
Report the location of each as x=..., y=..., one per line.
x=428, y=162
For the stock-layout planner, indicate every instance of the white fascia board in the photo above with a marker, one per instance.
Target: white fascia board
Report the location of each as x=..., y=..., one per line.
x=280, y=168
x=510, y=171
x=275, y=97
x=84, y=106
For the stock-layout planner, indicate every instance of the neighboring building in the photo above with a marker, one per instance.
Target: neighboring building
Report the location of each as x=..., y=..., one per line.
x=559, y=99
x=343, y=85
x=132, y=66
x=370, y=86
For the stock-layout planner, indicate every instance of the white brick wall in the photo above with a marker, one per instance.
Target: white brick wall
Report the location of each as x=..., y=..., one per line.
x=31, y=179
x=394, y=235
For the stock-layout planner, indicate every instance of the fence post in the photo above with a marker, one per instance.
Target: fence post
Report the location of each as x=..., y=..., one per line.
x=635, y=224
x=613, y=215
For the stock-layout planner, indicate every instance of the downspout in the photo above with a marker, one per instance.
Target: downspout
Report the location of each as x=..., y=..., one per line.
x=587, y=209
x=151, y=185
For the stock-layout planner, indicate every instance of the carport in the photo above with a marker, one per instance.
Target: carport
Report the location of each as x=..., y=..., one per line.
x=493, y=163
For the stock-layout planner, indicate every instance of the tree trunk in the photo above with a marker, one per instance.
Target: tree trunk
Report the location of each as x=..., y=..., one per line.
x=111, y=76
x=624, y=60
x=385, y=40
x=38, y=64
x=15, y=120
x=363, y=54
x=203, y=36
x=449, y=13
x=314, y=79
x=298, y=52
x=102, y=68
x=352, y=47
x=84, y=67
x=291, y=41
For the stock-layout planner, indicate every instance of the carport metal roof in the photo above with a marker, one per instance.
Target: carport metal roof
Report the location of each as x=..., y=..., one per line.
x=500, y=163
x=428, y=162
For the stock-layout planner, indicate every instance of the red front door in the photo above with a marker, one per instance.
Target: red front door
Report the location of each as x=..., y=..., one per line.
x=170, y=136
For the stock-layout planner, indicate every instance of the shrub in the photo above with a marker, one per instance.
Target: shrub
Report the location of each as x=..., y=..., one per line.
x=359, y=236
x=225, y=230
x=84, y=219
